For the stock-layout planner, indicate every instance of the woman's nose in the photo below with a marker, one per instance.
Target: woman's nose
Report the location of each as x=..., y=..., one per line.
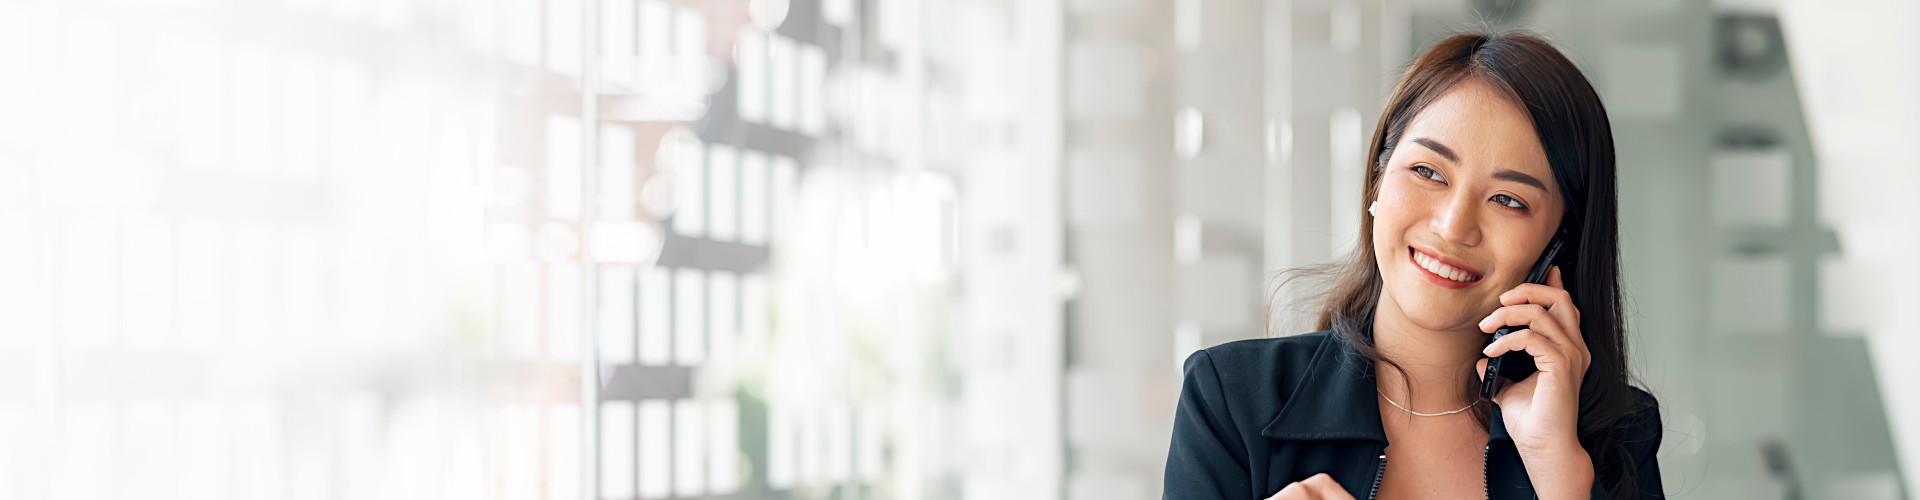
x=1456, y=222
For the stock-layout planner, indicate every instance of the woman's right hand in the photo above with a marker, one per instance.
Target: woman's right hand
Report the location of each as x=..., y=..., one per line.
x=1319, y=487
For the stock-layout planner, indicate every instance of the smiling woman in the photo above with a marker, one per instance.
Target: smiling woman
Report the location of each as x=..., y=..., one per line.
x=1489, y=146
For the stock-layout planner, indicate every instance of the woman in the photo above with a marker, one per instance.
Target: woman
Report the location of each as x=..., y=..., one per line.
x=1489, y=146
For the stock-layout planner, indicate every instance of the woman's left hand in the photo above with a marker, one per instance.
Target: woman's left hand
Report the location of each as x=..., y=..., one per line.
x=1542, y=412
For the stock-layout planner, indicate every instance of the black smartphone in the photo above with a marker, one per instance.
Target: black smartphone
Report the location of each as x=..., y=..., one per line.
x=1517, y=365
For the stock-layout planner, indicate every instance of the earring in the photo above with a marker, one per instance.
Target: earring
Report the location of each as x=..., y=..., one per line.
x=1370, y=208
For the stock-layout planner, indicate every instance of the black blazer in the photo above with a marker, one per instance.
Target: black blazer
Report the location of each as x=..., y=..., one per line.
x=1257, y=415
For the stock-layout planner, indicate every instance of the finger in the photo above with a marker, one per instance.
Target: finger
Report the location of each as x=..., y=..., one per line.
x=1537, y=319
x=1326, y=488
x=1531, y=293
x=1545, y=324
x=1559, y=307
x=1545, y=354
x=1520, y=315
x=1553, y=278
x=1556, y=300
x=1294, y=491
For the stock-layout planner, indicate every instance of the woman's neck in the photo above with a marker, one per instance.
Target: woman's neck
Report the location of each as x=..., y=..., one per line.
x=1437, y=364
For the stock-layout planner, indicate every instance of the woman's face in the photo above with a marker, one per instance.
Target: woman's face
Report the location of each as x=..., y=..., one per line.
x=1467, y=203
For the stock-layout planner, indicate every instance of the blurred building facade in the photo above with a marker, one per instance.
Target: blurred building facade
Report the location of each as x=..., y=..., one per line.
x=921, y=249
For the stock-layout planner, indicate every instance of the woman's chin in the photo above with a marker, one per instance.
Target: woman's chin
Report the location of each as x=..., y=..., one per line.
x=1445, y=318
x=1439, y=310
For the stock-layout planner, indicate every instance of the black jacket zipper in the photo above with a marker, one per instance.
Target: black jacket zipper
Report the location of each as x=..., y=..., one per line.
x=1377, y=474
x=1485, y=485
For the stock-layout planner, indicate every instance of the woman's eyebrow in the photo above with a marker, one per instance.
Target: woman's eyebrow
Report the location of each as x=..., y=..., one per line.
x=1508, y=175
x=1520, y=177
x=1437, y=147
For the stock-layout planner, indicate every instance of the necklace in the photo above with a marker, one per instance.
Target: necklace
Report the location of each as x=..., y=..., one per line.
x=1403, y=408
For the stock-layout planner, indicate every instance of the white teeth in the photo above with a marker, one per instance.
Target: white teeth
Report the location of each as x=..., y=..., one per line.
x=1445, y=271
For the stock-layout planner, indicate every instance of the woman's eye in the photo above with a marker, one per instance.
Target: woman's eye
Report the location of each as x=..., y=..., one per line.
x=1427, y=173
x=1509, y=201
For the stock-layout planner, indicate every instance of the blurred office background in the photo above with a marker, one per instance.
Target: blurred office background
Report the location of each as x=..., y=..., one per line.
x=853, y=249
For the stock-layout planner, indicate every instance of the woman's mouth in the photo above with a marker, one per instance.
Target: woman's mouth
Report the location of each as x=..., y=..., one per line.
x=1440, y=269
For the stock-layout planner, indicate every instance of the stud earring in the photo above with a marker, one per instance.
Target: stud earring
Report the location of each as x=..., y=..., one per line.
x=1370, y=208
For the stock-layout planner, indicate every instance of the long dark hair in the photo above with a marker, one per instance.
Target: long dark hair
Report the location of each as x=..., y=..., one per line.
x=1573, y=129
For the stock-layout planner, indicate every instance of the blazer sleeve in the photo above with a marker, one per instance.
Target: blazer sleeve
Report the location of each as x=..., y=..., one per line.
x=1643, y=444
x=1207, y=459
x=1641, y=436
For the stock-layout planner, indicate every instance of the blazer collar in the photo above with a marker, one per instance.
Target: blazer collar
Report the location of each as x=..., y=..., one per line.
x=1333, y=400
x=1336, y=399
